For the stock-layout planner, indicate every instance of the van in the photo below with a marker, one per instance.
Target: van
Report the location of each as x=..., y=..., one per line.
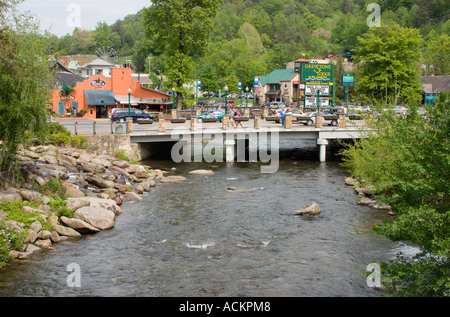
x=135, y=114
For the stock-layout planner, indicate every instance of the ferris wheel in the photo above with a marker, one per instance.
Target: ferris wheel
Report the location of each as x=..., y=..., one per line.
x=107, y=53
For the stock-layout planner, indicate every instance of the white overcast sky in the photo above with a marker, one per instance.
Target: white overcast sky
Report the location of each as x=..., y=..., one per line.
x=60, y=16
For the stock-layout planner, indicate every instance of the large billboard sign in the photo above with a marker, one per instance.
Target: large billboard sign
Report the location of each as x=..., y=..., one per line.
x=317, y=72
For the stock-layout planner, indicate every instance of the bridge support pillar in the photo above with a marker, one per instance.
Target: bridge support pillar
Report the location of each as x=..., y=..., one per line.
x=230, y=150
x=319, y=122
x=342, y=123
x=225, y=122
x=257, y=122
x=162, y=124
x=322, y=143
x=288, y=121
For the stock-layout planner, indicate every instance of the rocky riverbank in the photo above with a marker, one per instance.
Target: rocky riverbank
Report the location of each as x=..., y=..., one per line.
x=365, y=195
x=95, y=186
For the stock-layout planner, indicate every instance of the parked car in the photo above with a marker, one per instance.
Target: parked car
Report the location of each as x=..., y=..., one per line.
x=266, y=104
x=212, y=114
x=243, y=105
x=135, y=114
x=295, y=113
x=400, y=110
x=276, y=105
x=307, y=118
x=115, y=110
x=230, y=102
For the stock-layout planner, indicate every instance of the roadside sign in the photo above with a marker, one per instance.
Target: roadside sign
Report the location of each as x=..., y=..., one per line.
x=347, y=80
x=312, y=102
x=256, y=82
x=312, y=90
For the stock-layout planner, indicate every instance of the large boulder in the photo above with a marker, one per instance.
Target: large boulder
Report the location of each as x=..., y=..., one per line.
x=66, y=231
x=310, y=209
x=202, y=172
x=96, y=202
x=98, y=217
x=100, y=182
x=79, y=225
x=91, y=167
x=173, y=179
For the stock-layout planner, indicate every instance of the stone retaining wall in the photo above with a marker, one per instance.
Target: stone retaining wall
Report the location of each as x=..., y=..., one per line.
x=109, y=144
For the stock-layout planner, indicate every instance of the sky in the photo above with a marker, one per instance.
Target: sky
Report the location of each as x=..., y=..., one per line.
x=62, y=16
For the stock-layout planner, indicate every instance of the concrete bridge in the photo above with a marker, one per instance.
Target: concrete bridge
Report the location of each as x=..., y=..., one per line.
x=259, y=131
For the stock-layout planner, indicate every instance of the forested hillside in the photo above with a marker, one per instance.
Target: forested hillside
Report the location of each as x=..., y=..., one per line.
x=250, y=31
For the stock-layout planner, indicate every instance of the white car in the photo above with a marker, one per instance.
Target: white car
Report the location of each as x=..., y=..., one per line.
x=307, y=118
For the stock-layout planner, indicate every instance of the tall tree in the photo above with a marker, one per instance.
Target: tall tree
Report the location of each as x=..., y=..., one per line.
x=24, y=82
x=390, y=64
x=180, y=29
x=406, y=160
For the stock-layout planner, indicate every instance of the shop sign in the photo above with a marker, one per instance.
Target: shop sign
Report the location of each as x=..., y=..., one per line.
x=317, y=72
x=67, y=98
x=98, y=83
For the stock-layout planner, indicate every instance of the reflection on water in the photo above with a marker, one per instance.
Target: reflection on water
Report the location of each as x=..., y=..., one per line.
x=200, y=239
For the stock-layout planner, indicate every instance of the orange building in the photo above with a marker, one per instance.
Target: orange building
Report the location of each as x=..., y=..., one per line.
x=98, y=95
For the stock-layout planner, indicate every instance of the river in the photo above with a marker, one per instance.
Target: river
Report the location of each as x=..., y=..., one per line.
x=199, y=239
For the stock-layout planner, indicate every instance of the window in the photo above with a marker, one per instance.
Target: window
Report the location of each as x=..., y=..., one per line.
x=99, y=72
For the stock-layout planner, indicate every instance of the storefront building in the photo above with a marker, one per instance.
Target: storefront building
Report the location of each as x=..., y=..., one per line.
x=94, y=97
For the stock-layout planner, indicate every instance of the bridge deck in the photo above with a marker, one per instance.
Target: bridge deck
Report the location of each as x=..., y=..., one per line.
x=150, y=133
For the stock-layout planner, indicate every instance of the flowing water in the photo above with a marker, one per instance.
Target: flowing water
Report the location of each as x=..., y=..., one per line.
x=199, y=239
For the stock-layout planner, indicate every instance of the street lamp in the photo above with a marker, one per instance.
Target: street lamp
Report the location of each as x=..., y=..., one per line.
x=196, y=83
x=173, y=97
x=254, y=83
x=226, y=98
x=246, y=97
x=129, y=103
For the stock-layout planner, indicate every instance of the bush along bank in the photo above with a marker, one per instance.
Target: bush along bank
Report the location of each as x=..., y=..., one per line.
x=65, y=192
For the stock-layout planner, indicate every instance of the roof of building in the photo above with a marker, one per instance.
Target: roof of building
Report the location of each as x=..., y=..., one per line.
x=278, y=76
x=97, y=62
x=99, y=97
x=67, y=79
x=434, y=84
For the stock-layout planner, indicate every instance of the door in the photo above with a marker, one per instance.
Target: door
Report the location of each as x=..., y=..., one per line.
x=74, y=105
x=61, y=108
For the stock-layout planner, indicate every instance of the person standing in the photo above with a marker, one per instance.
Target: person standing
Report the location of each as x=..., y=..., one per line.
x=237, y=122
x=283, y=116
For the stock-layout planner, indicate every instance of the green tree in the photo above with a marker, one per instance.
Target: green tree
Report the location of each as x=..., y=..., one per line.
x=180, y=30
x=101, y=35
x=438, y=45
x=407, y=160
x=24, y=83
x=390, y=64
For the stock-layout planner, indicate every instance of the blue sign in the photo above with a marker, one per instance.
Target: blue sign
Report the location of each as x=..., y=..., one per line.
x=256, y=82
x=199, y=84
x=240, y=86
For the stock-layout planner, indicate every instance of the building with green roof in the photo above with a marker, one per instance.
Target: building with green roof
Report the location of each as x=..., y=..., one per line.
x=280, y=85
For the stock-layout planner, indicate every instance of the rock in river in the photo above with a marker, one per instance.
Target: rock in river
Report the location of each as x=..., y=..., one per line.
x=310, y=209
